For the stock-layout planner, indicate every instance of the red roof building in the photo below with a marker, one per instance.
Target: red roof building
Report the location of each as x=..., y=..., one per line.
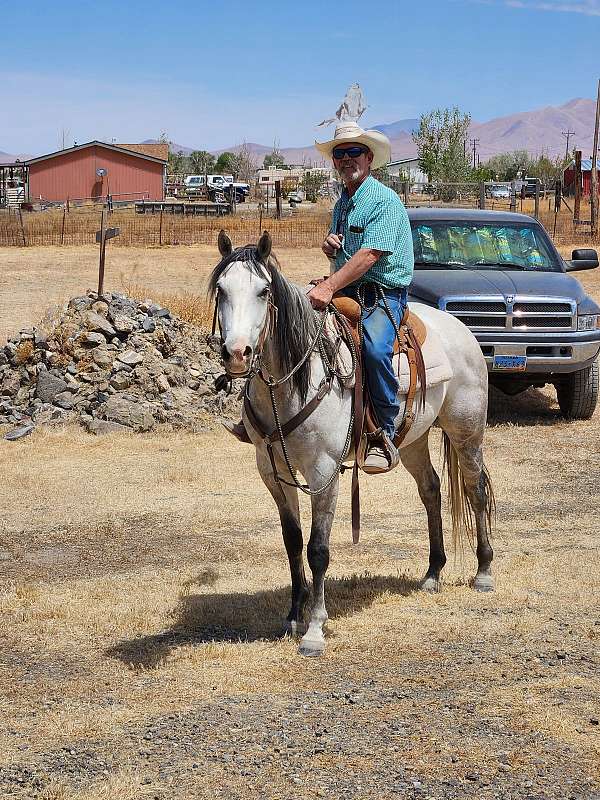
x=94, y=170
x=586, y=178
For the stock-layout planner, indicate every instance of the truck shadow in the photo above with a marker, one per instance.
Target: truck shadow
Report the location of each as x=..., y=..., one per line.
x=242, y=617
x=534, y=407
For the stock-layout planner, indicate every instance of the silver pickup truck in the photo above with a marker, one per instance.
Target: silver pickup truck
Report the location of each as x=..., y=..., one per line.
x=500, y=274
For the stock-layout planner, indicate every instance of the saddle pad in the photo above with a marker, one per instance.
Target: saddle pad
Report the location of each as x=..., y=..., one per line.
x=437, y=366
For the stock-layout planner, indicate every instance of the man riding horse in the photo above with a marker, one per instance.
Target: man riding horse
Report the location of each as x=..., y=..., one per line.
x=371, y=252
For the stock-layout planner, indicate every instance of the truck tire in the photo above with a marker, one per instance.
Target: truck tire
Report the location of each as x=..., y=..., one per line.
x=578, y=393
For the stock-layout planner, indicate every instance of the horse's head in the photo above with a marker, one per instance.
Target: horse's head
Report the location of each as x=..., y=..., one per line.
x=242, y=284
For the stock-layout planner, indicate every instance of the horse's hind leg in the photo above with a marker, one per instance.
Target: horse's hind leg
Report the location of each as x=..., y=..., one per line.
x=417, y=461
x=286, y=498
x=480, y=497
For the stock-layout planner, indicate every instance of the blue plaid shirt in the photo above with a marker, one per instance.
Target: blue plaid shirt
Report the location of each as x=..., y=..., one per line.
x=375, y=218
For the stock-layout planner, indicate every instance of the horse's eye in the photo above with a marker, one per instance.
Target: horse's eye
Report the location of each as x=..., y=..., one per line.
x=264, y=292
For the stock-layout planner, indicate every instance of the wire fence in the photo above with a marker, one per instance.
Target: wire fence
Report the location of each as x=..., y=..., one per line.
x=79, y=227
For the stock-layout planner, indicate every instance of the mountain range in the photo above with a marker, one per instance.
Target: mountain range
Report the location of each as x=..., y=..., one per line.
x=538, y=131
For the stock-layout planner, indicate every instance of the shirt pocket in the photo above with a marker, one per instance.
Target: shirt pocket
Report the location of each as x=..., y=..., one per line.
x=355, y=233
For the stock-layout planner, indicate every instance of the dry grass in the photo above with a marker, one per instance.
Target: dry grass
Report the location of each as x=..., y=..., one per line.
x=79, y=227
x=144, y=580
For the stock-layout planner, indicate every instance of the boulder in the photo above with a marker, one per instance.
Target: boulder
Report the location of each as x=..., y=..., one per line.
x=130, y=358
x=134, y=415
x=48, y=386
x=96, y=322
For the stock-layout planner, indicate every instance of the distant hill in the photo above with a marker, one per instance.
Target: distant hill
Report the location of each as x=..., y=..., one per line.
x=10, y=158
x=394, y=129
x=536, y=131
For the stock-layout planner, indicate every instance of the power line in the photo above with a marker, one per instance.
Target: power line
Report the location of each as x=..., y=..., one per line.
x=568, y=134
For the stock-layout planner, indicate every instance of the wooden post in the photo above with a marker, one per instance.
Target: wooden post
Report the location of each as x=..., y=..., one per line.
x=260, y=210
x=536, y=213
x=577, y=210
x=160, y=226
x=102, y=255
x=406, y=192
x=22, y=227
x=594, y=176
x=513, y=195
x=277, y=199
x=62, y=230
x=482, y=195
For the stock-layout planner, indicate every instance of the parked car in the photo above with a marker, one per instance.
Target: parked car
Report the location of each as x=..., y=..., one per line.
x=498, y=191
x=194, y=186
x=500, y=274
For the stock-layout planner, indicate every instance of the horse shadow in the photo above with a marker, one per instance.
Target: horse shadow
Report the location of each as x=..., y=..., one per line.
x=241, y=617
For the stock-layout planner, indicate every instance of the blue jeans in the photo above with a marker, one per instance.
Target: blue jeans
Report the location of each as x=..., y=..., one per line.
x=378, y=350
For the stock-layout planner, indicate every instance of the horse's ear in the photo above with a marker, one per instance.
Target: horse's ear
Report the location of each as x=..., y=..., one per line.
x=264, y=247
x=224, y=242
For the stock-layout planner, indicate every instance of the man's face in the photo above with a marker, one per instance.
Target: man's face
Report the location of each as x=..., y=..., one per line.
x=351, y=167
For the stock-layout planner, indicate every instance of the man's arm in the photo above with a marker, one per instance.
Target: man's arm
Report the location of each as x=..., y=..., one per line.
x=320, y=296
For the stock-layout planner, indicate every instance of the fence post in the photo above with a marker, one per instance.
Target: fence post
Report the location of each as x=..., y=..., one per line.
x=160, y=226
x=62, y=230
x=577, y=211
x=482, y=195
x=513, y=195
x=22, y=227
x=536, y=212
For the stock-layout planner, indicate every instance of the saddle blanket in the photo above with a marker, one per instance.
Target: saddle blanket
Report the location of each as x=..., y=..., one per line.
x=437, y=366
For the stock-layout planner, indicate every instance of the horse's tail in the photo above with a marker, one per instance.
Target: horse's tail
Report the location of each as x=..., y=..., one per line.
x=461, y=508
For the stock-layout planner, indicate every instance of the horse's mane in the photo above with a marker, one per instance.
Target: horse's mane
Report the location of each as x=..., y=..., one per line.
x=295, y=323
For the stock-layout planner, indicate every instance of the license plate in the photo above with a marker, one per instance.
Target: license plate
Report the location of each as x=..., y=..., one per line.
x=512, y=363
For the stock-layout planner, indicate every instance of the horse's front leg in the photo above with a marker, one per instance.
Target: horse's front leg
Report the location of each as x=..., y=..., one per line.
x=323, y=510
x=286, y=498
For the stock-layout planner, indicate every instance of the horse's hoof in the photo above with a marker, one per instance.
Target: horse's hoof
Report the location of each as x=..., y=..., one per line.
x=430, y=585
x=484, y=583
x=312, y=648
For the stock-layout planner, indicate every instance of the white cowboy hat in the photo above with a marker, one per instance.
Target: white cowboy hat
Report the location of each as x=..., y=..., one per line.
x=350, y=132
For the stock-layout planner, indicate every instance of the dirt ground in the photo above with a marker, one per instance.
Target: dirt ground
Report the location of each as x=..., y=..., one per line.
x=144, y=582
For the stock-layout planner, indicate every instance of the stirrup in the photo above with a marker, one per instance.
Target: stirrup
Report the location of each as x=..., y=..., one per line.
x=390, y=457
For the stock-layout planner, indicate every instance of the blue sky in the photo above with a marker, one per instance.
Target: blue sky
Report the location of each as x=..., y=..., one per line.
x=216, y=74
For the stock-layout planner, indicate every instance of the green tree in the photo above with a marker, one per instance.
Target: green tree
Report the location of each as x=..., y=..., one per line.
x=176, y=162
x=273, y=159
x=440, y=144
x=311, y=183
x=226, y=164
x=201, y=162
x=508, y=166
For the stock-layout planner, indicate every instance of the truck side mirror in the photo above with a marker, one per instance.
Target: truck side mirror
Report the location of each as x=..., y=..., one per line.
x=583, y=258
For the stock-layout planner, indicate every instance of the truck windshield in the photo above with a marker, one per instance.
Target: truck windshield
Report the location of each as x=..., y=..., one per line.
x=483, y=246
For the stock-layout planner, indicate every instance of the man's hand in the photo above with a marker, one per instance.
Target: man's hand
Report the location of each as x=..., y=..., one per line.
x=320, y=295
x=331, y=245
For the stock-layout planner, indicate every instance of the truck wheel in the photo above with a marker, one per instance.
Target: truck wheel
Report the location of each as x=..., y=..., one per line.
x=578, y=393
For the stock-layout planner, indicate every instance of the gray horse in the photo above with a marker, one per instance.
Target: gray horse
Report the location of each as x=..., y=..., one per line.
x=264, y=319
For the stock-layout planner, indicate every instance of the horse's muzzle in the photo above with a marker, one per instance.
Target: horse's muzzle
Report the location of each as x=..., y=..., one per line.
x=237, y=362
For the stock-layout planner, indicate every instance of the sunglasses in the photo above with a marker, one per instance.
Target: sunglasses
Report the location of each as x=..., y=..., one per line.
x=352, y=152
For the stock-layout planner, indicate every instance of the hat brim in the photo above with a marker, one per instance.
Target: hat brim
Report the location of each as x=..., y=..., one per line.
x=377, y=143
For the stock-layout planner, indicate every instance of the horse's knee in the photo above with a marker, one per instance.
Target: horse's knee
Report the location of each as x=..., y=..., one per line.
x=318, y=556
x=429, y=487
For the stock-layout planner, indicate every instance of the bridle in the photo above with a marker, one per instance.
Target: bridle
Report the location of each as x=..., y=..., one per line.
x=259, y=370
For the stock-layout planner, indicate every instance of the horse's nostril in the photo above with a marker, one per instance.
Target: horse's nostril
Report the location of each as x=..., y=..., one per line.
x=248, y=351
x=224, y=353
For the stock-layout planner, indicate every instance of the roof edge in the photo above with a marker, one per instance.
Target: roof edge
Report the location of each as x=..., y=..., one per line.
x=94, y=143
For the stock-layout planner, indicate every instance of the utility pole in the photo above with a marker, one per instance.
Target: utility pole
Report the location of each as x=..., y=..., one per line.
x=474, y=143
x=594, y=176
x=568, y=134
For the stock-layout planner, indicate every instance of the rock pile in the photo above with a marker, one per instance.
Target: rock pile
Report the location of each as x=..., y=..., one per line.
x=112, y=364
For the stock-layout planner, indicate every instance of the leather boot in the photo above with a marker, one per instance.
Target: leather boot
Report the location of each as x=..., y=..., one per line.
x=237, y=429
x=382, y=456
